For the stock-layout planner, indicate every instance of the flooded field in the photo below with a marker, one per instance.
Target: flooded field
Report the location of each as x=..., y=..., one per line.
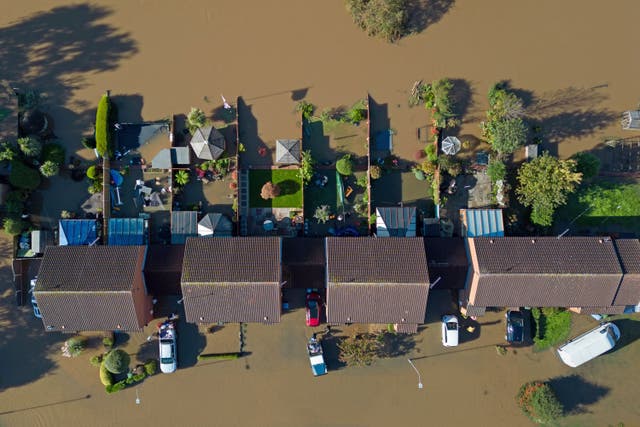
x=160, y=58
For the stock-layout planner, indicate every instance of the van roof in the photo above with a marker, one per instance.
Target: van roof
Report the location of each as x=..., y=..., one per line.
x=589, y=345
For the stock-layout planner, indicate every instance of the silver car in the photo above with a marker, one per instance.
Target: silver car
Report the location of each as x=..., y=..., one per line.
x=168, y=354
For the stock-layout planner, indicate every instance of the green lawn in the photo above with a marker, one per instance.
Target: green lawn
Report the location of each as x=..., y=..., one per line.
x=552, y=327
x=605, y=202
x=290, y=186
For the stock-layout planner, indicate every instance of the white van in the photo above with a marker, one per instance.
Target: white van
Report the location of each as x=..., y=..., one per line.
x=589, y=345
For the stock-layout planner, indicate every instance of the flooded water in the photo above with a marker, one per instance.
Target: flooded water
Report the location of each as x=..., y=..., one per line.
x=573, y=61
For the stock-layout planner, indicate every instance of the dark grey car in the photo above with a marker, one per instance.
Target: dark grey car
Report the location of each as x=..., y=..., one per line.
x=515, y=326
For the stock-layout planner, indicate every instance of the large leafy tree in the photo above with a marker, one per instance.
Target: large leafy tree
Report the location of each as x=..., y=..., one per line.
x=386, y=19
x=538, y=402
x=544, y=184
x=506, y=135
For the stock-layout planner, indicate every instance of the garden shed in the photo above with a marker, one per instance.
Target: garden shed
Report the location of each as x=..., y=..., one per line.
x=208, y=143
x=40, y=239
x=128, y=231
x=76, y=232
x=631, y=120
x=215, y=225
x=396, y=222
x=132, y=136
x=288, y=151
x=168, y=158
x=183, y=224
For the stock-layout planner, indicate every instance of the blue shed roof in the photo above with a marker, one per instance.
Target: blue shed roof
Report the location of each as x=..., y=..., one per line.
x=77, y=232
x=484, y=223
x=127, y=231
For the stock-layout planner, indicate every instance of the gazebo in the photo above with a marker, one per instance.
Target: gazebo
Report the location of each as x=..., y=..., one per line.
x=288, y=151
x=451, y=145
x=208, y=143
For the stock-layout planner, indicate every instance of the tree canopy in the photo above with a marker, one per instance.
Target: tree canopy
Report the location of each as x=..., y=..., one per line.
x=386, y=19
x=29, y=146
x=506, y=136
x=344, y=166
x=544, y=184
x=22, y=176
x=587, y=164
x=538, y=402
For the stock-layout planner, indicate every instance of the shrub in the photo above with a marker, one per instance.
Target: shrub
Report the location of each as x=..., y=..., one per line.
x=375, y=171
x=76, y=345
x=120, y=385
x=182, y=178
x=380, y=18
x=95, y=187
x=587, y=164
x=344, y=166
x=219, y=356
x=53, y=152
x=7, y=151
x=108, y=340
x=432, y=153
x=307, y=165
x=496, y=170
x=418, y=173
x=428, y=167
x=104, y=133
x=322, y=214
x=506, y=136
x=269, y=191
x=362, y=181
x=117, y=361
x=94, y=172
x=49, y=169
x=105, y=376
x=233, y=185
x=14, y=226
x=538, y=402
x=552, y=326
x=89, y=142
x=196, y=119
x=357, y=113
x=29, y=146
x=151, y=366
x=22, y=176
x=96, y=360
x=306, y=108
x=14, y=204
x=359, y=349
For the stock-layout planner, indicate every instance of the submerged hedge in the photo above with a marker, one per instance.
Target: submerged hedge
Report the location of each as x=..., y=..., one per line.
x=104, y=133
x=219, y=356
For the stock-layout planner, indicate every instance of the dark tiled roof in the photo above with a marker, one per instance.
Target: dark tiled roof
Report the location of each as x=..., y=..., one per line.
x=238, y=260
x=88, y=311
x=376, y=280
x=376, y=260
x=304, y=250
x=375, y=303
x=248, y=302
x=447, y=259
x=629, y=253
x=90, y=268
x=546, y=255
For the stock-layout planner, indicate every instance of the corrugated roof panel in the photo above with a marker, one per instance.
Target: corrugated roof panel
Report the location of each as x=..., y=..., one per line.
x=484, y=223
x=127, y=231
x=77, y=232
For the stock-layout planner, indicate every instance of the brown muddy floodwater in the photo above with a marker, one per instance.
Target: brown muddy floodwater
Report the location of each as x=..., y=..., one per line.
x=574, y=61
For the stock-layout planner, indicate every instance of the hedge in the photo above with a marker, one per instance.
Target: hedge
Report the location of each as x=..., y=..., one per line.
x=121, y=385
x=105, y=376
x=219, y=356
x=22, y=176
x=344, y=166
x=104, y=135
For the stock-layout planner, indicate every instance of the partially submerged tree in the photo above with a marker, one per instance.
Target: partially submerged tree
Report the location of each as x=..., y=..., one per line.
x=117, y=361
x=506, y=136
x=22, y=176
x=587, y=164
x=30, y=146
x=386, y=19
x=14, y=226
x=544, y=184
x=269, y=191
x=359, y=349
x=196, y=119
x=344, y=166
x=322, y=214
x=538, y=402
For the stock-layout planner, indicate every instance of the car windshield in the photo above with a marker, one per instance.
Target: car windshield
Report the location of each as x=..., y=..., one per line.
x=517, y=321
x=166, y=360
x=452, y=326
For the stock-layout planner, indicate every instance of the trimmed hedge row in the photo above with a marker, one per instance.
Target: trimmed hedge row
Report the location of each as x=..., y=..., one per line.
x=104, y=133
x=219, y=356
x=121, y=385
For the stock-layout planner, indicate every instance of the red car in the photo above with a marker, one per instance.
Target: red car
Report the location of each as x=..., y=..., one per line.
x=313, y=305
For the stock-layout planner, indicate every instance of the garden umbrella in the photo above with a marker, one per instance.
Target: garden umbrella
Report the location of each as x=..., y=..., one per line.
x=450, y=145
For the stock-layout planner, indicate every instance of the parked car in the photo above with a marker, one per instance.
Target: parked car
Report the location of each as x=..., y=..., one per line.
x=34, y=303
x=515, y=326
x=316, y=358
x=450, y=328
x=168, y=354
x=313, y=306
x=589, y=345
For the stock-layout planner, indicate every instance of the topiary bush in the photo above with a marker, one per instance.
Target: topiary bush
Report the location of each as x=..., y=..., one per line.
x=76, y=345
x=538, y=402
x=105, y=376
x=23, y=176
x=49, y=169
x=94, y=172
x=344, y=166
x=117, y=361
